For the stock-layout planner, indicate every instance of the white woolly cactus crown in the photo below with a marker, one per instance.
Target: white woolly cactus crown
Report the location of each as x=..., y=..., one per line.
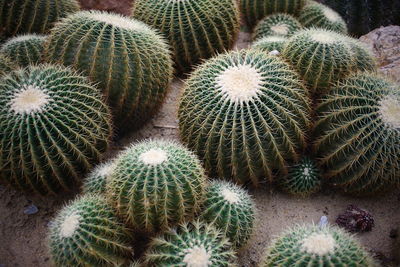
x=389, y=111
x=29, y=99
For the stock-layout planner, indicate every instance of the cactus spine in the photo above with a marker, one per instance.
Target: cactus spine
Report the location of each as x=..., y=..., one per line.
x=97, y=179
x=315, y=246
x=5, y=65
x=33, y=16
x=358, y=134
x=157, y=184
x=230, y=209
x=232, y=110
x=24, y=50
x=87, y=233
x=130, y=61
x=196, y=29
x=53, y=126
x=191, y=244
x=270, y=44
x=280, y=24
x=363, y=58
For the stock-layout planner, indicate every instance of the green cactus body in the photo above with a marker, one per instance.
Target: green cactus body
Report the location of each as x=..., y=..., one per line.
x=5, y=65
x=270, y=44
x=156, y=185
x=191, y=244
x=279, y=24
x=358, y=134
x=316, y=246
x=196, y=29
x=363, y=58
x=130, y=61
x=24, y=50
x=53, y=126
x=87, y=232
x=230, y=209
x=363, y=16
x=318, y=15
x=97, y=179
x=322, y=57
x=33, y=16
x=245, y=114
x=255, y=10
x=304, y=178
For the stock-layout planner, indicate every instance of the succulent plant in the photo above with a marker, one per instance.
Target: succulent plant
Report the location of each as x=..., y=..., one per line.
x=24, y=50
x=5, y=65
x=96, y=180
x=156, y=185
x=196, y=29
x=318, y=15
x=245, y=114
x=32, y=16
x=363, y=58
x=364, y=16
x=230, y=209
x=129, y=60
x=191, y=244
x=279, y=24
x=86, y=232
x=255, y=10
x=316, y=246
x=322, y=57
x=357, y=134
x=270, y=44
x=53, y=126
x=304, y=178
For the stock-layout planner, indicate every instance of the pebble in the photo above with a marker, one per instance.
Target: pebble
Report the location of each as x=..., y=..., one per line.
x=31, y=209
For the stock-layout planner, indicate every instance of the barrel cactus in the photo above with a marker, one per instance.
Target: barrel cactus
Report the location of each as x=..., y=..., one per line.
x=196, y=29
x=96, y=180
x=255, y=10
x=230, y=209
x=245, y=114
x=270, y=44
x=315, y=246
x=358, y=134
x=53, y=126
x=130, y=61
x=304, y=178
x=33, y=16
x=6, y=65
x=87, y=232
x=363, y=58
x=322, y=57
x=191, y=244
x=279, y=24
x=157, y=184
x=24, y=50
x=318, y=15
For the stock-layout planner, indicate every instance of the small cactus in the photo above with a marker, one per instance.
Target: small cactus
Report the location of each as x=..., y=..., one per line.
x=322, y=57
x=87, y=232
x=53, y=126
x=130, y=61
x=156, y=185
x=5, y=65
x=96, y=180
x=270, y=44
x=245, y=114
x=24, y=50
x=304, y=178
x=196, y=29
x=316, y=246
x=358, y=134
x=280, y=24
x=191, y=244
x=33, y=16
x=320, y=16
x=230, y=209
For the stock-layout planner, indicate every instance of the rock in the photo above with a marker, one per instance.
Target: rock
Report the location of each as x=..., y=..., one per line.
x=31, y=209
x=385, y=44
x=116, y=6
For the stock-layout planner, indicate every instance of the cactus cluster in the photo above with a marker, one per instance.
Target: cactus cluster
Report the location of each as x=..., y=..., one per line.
x=157, y=184
x=191, y=244
x=245, y=114
x=96, y=180
x=316, y=246
x=279, y=24
x=53, y=126
x=358, y=134
x=130, y=61
x=87, y=232
x=318, y=15
x=270, y=44
x=24, y=50
x=196, y=29
x=230, y=209
x=33, y=16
